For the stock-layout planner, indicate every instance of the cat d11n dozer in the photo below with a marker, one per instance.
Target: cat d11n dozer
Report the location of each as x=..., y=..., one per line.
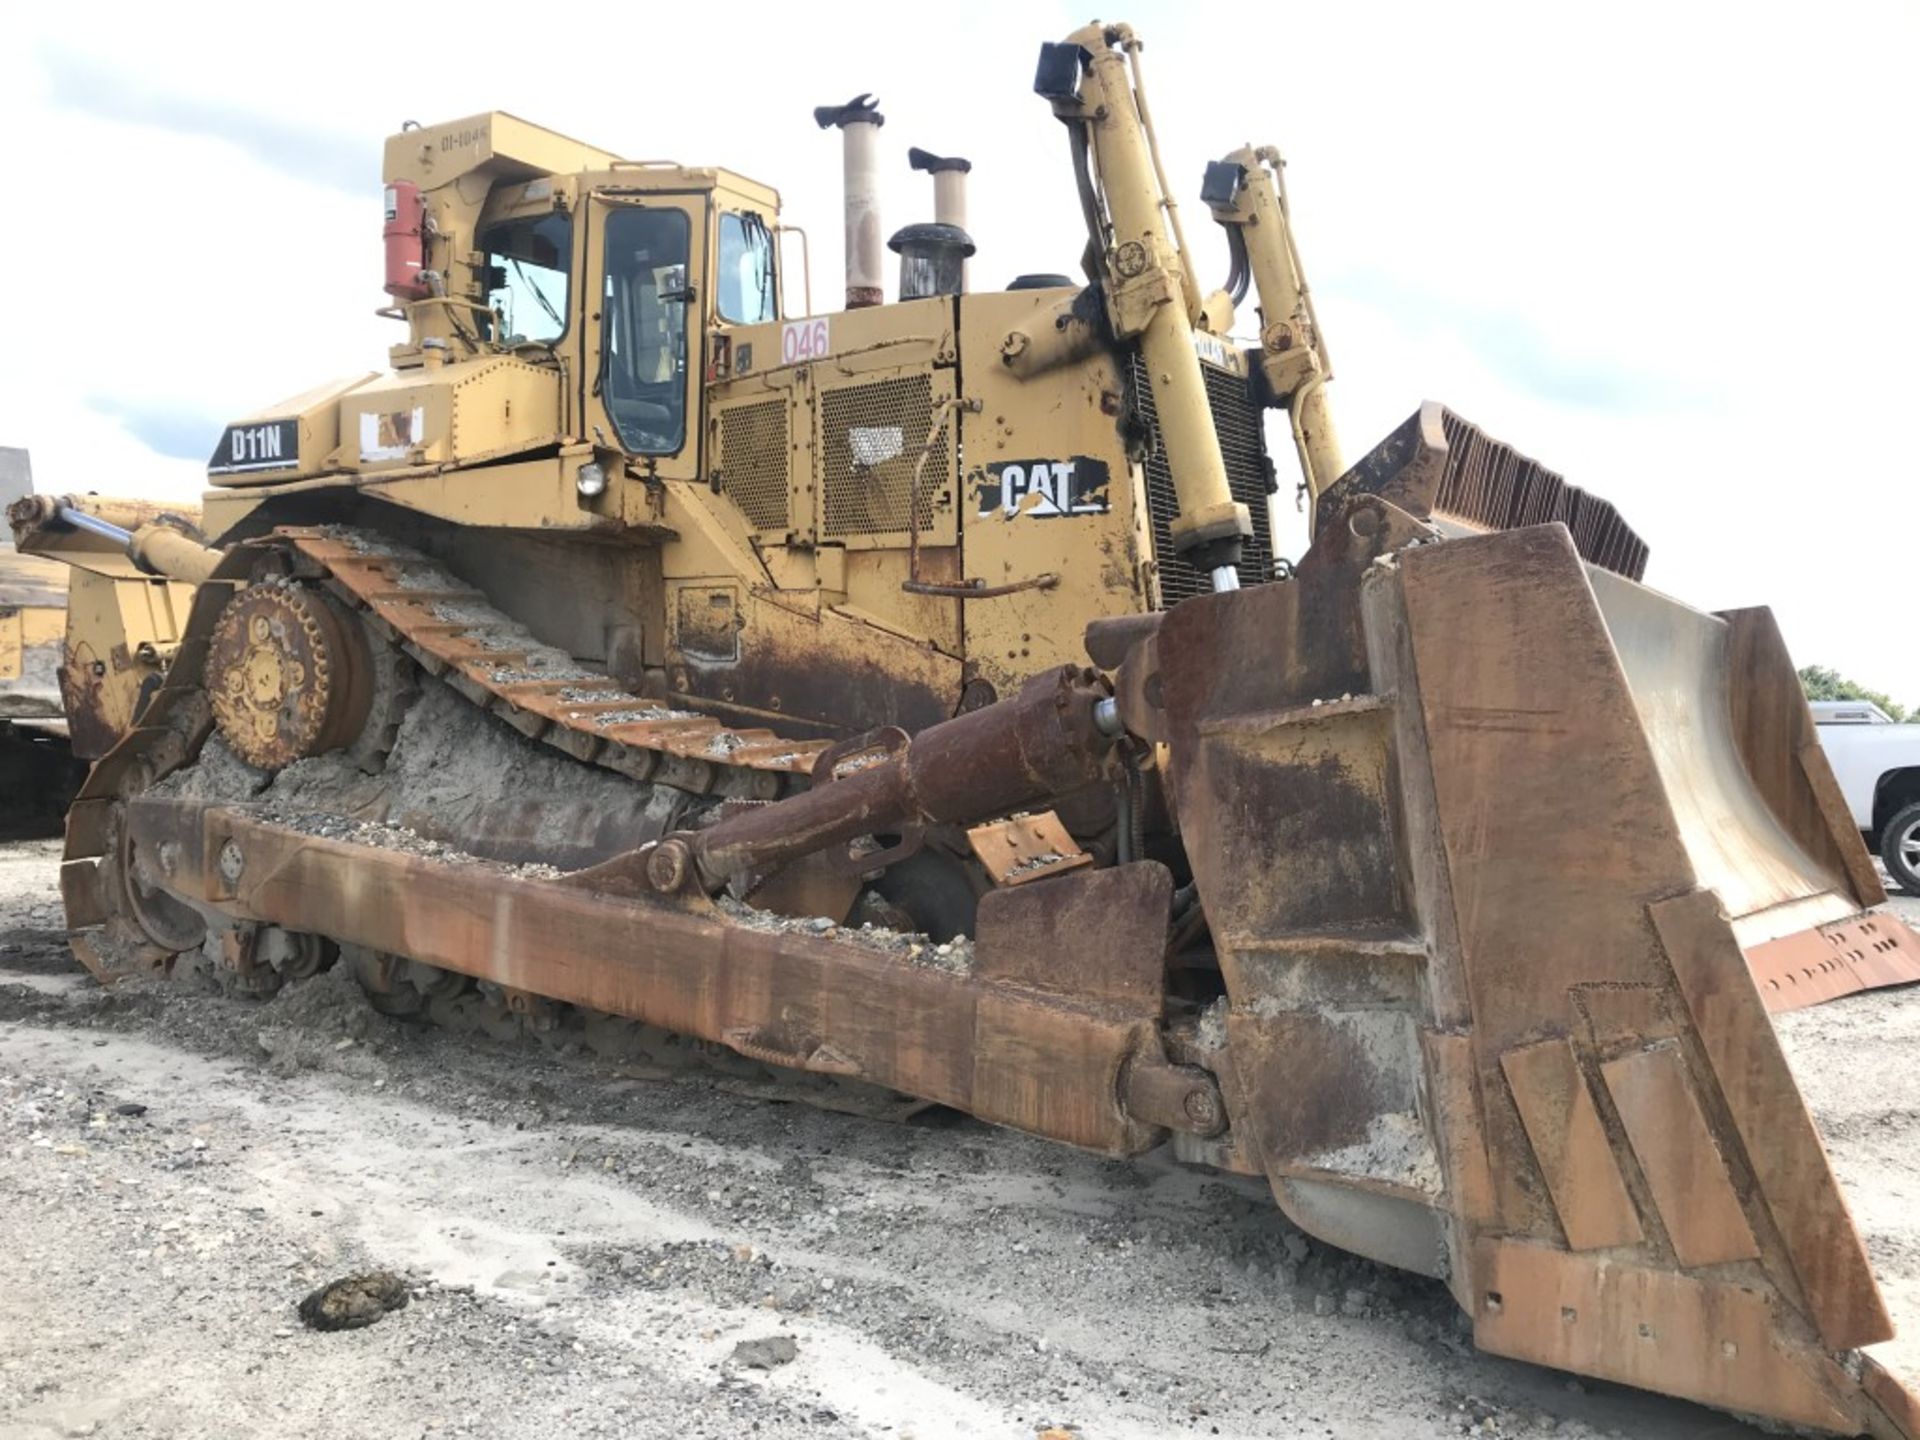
x=909, y=695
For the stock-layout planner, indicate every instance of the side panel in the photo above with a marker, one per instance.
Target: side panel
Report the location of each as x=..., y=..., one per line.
x=785, y=569
x=1048, y=489
x=118, y=627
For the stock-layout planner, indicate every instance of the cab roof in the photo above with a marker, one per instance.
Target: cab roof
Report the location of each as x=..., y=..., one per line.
x=508, y=148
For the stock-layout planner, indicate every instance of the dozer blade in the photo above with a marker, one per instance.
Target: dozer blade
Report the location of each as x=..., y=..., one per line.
x=1759, y=811
x=1756, y=803
x=1481, y=830
x=1456, y=476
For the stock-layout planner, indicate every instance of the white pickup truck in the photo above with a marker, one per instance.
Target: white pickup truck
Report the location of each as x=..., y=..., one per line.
x=1878, y=765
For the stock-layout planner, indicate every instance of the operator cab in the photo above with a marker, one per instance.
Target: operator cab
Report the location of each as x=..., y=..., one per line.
x=631, y=336
x=606, y=275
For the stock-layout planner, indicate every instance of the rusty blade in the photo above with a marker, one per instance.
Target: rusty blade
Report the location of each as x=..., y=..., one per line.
x=1469, y=865
x=1828, y=961
x=1439, y=466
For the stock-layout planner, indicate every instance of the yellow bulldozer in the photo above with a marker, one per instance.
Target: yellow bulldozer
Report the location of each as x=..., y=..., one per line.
x=38, y=774
x=86, y=634
x=909, y=695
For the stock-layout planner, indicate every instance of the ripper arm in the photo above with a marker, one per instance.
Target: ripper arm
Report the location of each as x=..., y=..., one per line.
x=1247, y=193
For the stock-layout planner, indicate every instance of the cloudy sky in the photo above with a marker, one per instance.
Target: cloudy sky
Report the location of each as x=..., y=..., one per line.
x=1668, y=249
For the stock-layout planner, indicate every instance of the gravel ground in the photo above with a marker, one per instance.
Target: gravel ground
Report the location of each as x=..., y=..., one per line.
x=1858, y=1064
x=596, y=1252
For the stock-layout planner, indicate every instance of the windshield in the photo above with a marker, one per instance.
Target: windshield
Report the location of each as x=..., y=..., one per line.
x=644, y=340
x=745, y=281
x=527, y=277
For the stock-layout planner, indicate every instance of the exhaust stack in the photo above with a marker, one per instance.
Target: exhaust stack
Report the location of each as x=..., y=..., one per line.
x=858, y=122
x=949, y=189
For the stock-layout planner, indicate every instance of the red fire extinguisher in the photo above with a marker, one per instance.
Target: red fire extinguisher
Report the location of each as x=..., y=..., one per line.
x=406, y=238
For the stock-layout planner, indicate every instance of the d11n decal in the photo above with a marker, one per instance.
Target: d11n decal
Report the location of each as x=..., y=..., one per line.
x=257, y=445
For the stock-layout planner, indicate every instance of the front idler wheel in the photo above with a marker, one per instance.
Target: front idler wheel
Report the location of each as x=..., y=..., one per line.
x=145, y=926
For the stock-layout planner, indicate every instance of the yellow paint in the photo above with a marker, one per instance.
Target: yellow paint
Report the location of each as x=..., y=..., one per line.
x=12, y=646
x=826, y=464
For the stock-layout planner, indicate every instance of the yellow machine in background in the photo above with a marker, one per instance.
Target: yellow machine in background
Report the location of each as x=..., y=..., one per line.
x=118, y=621
x=38, y=775
x=909, y=695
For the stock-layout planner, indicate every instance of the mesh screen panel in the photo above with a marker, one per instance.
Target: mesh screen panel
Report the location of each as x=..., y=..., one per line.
x=870, y=440
x=753, y=461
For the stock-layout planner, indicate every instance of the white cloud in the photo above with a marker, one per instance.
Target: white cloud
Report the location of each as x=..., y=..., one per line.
x=1665, y=249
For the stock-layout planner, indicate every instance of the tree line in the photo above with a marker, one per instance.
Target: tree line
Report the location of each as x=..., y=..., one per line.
x=1822, y=683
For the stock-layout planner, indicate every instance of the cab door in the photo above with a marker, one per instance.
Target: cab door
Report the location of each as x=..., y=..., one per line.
x=644, y=349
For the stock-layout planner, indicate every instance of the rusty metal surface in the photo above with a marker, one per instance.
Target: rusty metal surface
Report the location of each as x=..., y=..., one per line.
x=1772, y=1124
x=1035, y=745
x=811, y=886
x=1534, y=711
x=1436, y=465
x=1571, y=1146
x=1042, y=1059
x=1183, y=1098
x=1648, y=1326
x=1840, y=958
x=1674, y=1145
x=84, y=699
x=1900, y=1404
x=1025, y=848
x=1098, y=934
x=288, y=674
x=1608, y=1121
x=583, y=713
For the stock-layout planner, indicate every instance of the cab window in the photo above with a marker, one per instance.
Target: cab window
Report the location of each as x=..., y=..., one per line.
x=745, y=282
x=527, y=262
x=644, y=336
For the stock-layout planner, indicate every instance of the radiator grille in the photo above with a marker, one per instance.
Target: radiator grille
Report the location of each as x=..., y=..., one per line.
x=870, y=441
x=753, y=461
x=1240, y=425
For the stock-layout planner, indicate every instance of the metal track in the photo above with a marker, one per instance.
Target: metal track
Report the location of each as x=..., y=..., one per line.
x=452, y=631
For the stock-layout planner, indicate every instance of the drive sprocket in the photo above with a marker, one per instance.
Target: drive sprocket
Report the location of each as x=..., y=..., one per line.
x=288, y=674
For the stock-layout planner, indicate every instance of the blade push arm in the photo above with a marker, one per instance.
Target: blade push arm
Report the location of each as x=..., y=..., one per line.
x=1134, y=251
x=158, y=542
